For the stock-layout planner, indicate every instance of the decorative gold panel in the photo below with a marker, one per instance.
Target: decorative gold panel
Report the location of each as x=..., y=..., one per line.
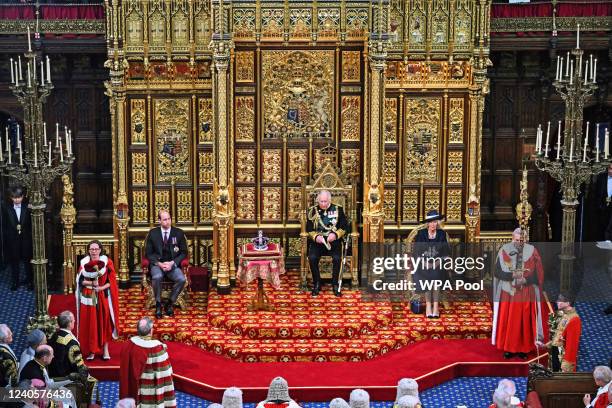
x=244, y=23
x=295, y=246
x=432, y=200
x=206, y=167
x=329, y=22
x=456, y=120
x=453, y=204
x=439, y=25
x=140, y=206
x=139, y=169
x=390, y=120
x=204, y=251
x=205, y=204
x=417, y=25
x=389, y=204
x=298, y=164
x=298, y=93
x=300, y=22
x=356, y=22
x=463, y=25
x=245, y=66
x=455, y=166
x=205, y=113
x=180, y=28
x=157, y=30
x=272, y=21
x=410, y=205
x=351, y=66
x=184, y=206
x=245, y=203
x=350, y=161
x=351, y=114
x=162, y=201
x=245, y=165
x=245, y=118
x=172, y=139
x=294, y=204
x=138, y=121
x=271, y=203
x=421, y=139
x=390, y=167
x=271, y=165
x=134, y=27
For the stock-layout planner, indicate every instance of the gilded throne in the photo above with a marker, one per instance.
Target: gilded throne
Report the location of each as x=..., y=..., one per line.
x=343, y=188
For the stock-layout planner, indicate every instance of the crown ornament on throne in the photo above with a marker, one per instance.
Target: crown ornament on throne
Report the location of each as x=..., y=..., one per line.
x=260, y=243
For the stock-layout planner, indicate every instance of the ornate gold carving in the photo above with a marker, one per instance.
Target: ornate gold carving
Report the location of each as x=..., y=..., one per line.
x=202, y=24
x=245, y=118
x=52, y=26
x=206, y=205
x=410, y=205
x=205, y=247
x=351, y=114
x=298, y=164
x=184, y=206
x=245, y=165
x=356, y=22
x=205, y=116
x=463, y=25
x=455, y=166
x=417, y=25
x=271, y=208
x=206, y=167
x=245, y=66
x=162, y=201
x=245, y=203
x=294, y=203
x=157, y=30
x=351, y=66
x=172, y=139
x=390, y=167
x=295, y=245
x=391, y=120
x=180, y=28
x=140, y=206
x=329, y=22
x=421, y=139
x=350, y=161
x=272, y=22
x=453, y=204
x=139, y=169
x=439, y=25
x=300, y=22
x=138, y=121
x=271, y=165
x=244, y=22
x=298, y=93
x=389, y=204
x=432, y=200
x=456, y=120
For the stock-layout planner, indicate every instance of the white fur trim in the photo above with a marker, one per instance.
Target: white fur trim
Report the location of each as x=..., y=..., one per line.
x=144, y=343
x=157, y=374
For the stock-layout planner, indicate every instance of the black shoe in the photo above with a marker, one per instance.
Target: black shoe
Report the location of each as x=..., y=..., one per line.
x=169, y=309
x=608, y=310
x=522, y=356
x=316, y=289
x=337, y=293
x=158, y=310
x=508, y=355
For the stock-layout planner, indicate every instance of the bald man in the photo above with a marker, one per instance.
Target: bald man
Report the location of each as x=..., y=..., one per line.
x=166, y=248
x=37, y=368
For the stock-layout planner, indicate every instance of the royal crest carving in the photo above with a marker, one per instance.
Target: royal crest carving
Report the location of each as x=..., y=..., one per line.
x=172, y=141
x=421, y=139
x=298, y=94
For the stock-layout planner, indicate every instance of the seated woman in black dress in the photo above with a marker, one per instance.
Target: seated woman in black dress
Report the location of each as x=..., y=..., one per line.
x=431, y=242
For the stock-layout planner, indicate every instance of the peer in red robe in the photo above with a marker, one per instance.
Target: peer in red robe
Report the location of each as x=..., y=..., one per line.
x=519, y=304
x=97, y=310
x=146, y=374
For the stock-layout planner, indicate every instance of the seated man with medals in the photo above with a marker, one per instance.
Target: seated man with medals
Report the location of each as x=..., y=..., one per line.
x=326, y=225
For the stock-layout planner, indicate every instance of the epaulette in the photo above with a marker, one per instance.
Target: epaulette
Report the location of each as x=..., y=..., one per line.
x=63, y=340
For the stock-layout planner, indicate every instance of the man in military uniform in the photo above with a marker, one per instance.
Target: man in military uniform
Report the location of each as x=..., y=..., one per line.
x=326, y=226
x=8, y=359
x=68, y=361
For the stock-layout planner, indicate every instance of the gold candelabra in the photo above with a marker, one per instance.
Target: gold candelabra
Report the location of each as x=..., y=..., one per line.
x=573, y=161
x=34, y=160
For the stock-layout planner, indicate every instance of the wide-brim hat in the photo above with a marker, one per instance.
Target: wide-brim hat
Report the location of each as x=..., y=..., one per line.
x=433, y=216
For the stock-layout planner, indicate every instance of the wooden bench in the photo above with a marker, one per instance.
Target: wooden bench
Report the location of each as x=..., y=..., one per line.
x=558, y=390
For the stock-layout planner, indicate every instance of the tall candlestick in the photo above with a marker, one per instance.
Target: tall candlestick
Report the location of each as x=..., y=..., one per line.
x=69, y=143
x=42, y=74
x=539, y=139
x=29, y=81
x=16, y=75
x=557, y=71
x=18, y=139
x=48, y=70
x=19, y=66
x=594, y=70
x=35, y=155
x=567, y=65
x=56, y=134
x=586, y=71
x=8, y=149
x=591, y=64
x=571, y=155
x=29, y=40
x=607, y=144
x=61, y=151
x=572, y=72
x=12, y=72
x=559, y=140
x=579, y=68
x=578, y=37
x=50, y=149
x=45, y=132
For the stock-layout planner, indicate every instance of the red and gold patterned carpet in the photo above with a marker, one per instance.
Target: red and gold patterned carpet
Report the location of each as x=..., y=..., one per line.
x=302, y=328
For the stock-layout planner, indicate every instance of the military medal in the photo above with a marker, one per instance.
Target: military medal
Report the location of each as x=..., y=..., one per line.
x=19, y=229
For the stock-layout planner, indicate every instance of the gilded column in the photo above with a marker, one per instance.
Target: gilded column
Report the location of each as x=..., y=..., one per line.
x=68, y=216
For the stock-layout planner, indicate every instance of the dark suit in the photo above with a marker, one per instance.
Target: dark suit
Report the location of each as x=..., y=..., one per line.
x=17, y=240
x=174, y=249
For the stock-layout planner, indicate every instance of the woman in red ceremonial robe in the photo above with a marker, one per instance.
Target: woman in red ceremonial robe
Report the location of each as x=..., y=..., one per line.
x=97, y=302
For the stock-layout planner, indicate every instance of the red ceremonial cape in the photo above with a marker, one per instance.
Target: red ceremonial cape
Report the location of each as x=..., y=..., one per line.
x=97, y=324
x=145, y=373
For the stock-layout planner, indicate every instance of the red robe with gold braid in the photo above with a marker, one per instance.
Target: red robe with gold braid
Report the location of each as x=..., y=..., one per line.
x=567, y=339
x=146, y=374
x=98, y=316
x=518, y=310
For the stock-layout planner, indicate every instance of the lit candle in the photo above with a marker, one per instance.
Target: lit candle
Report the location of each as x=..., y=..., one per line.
x=547, y=139
x=50, y=148
x=45, y=132
x=561, y=72
x=61, y=151
x=16, y=75
x=538, y=139
x=567, y=65
x=8, y=149
x=35, y=155
x=19, y=66
x=29, y=40
x=586, y=71
x=48, y=70
x=34, y=70
x=56, y=134
x=578, y=37
x=559, y=140
x=571, y=150
x=42, y=74
x=586, y=143
x=12, y=72
x=18, y=140
x=597, y=144
x=607, y=144
x=20, y=156
x=572, y=72
x=29, y=81
x=594, y=70
x=591, y=64
x=557, y=72
x=579, y=69
x=6, y=137
x=69, y=143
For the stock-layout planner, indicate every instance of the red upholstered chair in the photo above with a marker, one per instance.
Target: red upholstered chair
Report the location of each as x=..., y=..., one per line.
x=166, y=285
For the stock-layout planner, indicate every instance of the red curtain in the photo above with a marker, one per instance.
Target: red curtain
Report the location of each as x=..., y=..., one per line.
x=599, y=9
x=88, y=12
x=17, y=12
x=521, y=10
